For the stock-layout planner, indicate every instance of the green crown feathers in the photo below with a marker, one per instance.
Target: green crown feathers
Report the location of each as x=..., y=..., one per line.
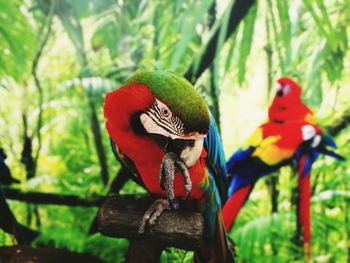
x=179, y=95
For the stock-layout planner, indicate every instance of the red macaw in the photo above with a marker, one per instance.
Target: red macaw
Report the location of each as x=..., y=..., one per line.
x=158, y=123
x=290, y=136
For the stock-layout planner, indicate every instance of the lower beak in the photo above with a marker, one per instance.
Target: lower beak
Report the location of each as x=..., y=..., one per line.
x=189, y=150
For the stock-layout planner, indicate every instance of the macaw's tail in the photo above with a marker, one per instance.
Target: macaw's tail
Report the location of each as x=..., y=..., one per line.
x=219, y=248
x=304, y=167
x=234, y=204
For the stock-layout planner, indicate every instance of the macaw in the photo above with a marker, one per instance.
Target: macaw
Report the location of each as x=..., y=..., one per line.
x=287, y=105
x=290, y=137
x=161, y=129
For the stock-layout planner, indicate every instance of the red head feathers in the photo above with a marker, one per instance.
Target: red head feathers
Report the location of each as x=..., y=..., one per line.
x=288, y=105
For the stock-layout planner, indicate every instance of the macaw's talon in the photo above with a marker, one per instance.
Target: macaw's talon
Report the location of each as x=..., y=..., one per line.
x=173, y=204
x=187, y=179
x=153, y=212
x=167, y=173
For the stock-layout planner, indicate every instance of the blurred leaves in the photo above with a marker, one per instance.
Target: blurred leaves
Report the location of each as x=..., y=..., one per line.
x=246, y=42
x=17, y=40
x=188, y=29
x=96, y=87
x=70, y=20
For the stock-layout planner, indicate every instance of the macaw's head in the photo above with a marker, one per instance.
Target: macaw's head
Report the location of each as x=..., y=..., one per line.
x=163, y=106
x=289, y=90
x=287, y=104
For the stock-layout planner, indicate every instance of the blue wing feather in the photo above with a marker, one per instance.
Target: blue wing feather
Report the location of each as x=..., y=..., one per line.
x=239, y=155
x=216, y=159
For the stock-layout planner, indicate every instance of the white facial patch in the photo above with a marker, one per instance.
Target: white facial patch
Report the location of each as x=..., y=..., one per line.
x=151, y=127
x=308, y=132
x=316, y=141
x=190, y=155
x=286, y=90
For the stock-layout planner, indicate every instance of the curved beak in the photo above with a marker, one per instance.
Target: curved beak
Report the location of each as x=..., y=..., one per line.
x=187, y=146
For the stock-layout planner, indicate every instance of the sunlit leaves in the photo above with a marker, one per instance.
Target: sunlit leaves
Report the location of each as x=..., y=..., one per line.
x=70, y=20
x=95, y=86
x=17, y=42
x=246, y=42
x=188, y=29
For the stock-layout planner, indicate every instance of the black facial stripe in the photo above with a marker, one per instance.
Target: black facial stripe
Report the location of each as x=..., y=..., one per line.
x=177, y=124
x=156, y=108
x=159, y=119
x=160, y=124
x=174, y=123
x=177, y=128
x=157, y=111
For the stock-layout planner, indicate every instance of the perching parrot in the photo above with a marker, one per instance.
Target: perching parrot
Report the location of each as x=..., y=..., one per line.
x=161, y=129
x=290, y=136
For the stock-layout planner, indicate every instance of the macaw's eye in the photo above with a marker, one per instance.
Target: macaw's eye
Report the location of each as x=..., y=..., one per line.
x=165, y=112
x=283, y=90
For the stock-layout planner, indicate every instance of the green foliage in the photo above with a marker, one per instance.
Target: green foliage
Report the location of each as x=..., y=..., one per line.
x=71, y=23
x=108, y=249
x=176, y=255
x=246, y=42
x=17, y=40
x=188, y=28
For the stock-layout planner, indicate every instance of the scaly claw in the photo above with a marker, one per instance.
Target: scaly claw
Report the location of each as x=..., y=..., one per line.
x=166, y=179
x=153, y=212
x=187, y=179
x=167, y=173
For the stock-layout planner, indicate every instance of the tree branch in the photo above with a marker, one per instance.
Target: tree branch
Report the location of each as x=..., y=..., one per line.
x=8, y=221
x=53, y=199
x=340, y=124
x=9, y=224
x=121, y=216
x=96, y=132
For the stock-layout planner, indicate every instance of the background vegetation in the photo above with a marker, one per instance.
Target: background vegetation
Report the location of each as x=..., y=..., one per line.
x=58, y=58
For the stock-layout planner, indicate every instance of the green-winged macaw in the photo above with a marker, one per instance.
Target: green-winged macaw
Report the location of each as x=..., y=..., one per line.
x=161, y=129
x=290, y=136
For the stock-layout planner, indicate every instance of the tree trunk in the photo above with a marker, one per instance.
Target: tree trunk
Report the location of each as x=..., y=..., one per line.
x=96, y=131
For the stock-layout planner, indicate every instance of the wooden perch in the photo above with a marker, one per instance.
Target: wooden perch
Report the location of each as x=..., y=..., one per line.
x=121, y=216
